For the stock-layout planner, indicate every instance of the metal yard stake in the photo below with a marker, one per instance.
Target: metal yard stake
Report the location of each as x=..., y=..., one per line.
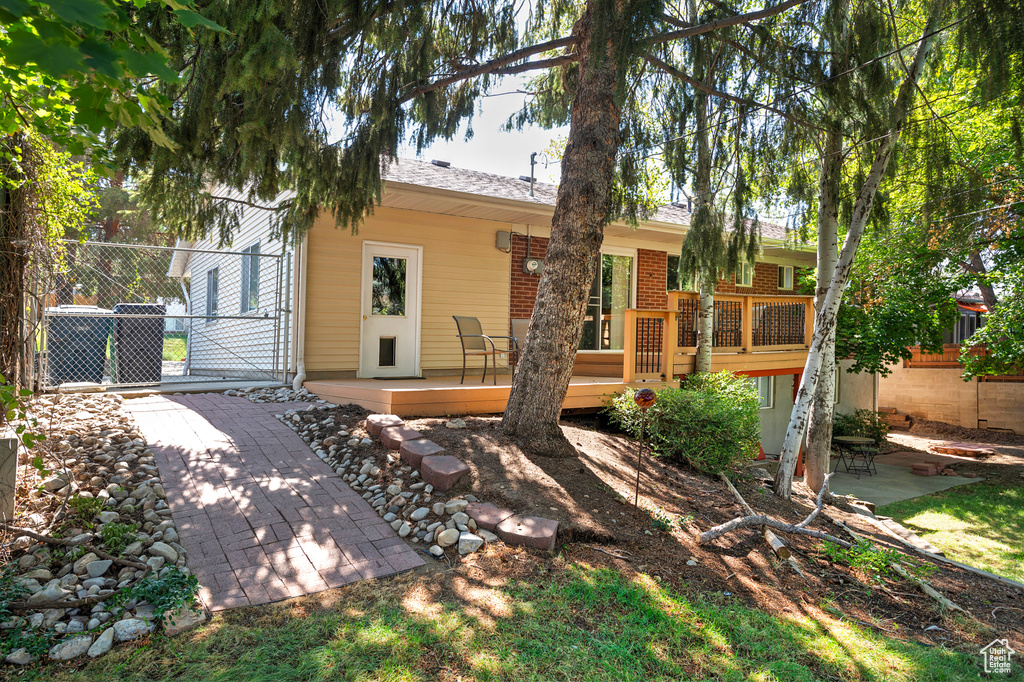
x=644, y=398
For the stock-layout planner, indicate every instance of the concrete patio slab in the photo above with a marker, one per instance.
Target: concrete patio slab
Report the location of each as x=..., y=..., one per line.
x=892, y=483
x=262, y=518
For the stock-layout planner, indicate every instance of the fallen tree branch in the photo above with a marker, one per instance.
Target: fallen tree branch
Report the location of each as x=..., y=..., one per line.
x=773, y=540
x=763, y=520
x=85, y=544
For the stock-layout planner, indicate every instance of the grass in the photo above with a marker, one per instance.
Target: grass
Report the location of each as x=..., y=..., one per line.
x=980, y=525
x=174, y=346
x=576, y=623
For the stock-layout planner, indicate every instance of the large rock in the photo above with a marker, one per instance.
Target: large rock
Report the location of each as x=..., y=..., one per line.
x=49, y=593
x=67, y=649
x=131, y=628
x=20, y=657
x=87, y=559
x=164, y=550
x=102, y=644
x=98, y=568
x=469, y=543
x=448, y=537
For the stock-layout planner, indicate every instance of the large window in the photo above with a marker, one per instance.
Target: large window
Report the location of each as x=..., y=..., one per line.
x=785, y=276
x=211, y=294
x=745, y=275
x=672, y=279
x=251, y=278
x=604, y=327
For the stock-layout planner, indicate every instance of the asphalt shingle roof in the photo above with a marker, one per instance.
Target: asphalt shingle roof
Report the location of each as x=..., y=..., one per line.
x=423, y=174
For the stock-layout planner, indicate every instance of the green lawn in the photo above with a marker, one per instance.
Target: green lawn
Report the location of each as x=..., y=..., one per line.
x=174, y=346
x=576, y=623
x=980, y=524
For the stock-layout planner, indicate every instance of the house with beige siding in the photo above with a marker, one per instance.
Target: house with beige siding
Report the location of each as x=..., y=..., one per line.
x=371, y=312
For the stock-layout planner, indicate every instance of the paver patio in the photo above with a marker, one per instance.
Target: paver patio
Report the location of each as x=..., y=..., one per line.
x=260, y=516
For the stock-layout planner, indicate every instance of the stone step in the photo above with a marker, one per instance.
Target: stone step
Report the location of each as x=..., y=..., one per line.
x=529, y=531
x=413, y=451
x=377, y=422
x=442, y=471
x=392, y=437
x=963, y=449
x=487, y=515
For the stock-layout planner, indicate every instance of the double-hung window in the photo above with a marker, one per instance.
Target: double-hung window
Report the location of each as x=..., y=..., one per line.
x=765, y=390
x=212, y=276
x=785, y=276
x=745, y=275
x=251, y=278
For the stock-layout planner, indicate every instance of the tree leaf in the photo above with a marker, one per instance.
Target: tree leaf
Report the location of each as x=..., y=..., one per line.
x=192, y=19
x=54, y=60
x=77, y=12
x=17, y=8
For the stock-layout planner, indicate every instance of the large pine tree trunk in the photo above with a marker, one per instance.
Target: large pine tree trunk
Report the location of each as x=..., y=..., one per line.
x=13, y=232
x=825, y=318
x=577, y=230
x=817, y=452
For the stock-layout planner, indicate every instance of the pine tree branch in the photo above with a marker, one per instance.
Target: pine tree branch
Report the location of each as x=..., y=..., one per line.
x=489, y=66
x=704, y=87
x=539, y=64
x=724, y=22
x=279, y=207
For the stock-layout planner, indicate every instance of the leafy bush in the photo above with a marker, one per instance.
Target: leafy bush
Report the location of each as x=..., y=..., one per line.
x=165, y=593
x=712, y=424
x=875, y=562
x=116, y=536
x=86, y=508
x=863, y=423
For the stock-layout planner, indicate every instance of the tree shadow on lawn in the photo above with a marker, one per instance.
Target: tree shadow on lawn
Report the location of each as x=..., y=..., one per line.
x=574, y=623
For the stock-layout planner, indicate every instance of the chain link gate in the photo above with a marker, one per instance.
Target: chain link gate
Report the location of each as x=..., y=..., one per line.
x=122, y=315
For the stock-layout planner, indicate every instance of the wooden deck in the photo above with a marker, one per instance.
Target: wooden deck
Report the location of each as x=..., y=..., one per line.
x=440, y=396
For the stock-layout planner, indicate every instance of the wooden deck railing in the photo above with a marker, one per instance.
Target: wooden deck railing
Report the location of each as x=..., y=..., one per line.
x=743, y=324
x=948, y=358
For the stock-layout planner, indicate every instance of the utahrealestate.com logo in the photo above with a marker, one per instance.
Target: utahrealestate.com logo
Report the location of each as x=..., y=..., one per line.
x=998, y=657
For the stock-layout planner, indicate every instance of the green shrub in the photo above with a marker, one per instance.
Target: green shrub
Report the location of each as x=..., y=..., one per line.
x=86, y=508
x=116, y=536
x=712, y=424
x=875, y=562
x=166, y=593
x=863, y=423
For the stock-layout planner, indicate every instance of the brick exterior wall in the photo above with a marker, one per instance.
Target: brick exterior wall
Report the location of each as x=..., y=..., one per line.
x=766, y=283
x=651, y=279
x=524, y=286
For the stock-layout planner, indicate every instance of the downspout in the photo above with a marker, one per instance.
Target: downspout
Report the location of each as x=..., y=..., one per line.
x=188, y=337
x=299, y=333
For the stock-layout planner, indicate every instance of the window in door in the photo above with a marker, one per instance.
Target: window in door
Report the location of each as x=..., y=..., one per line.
x=604, y=327
x=388, y=296
x=251, y=278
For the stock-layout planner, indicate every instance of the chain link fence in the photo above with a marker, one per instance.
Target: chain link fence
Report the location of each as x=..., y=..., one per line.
x=124, y=315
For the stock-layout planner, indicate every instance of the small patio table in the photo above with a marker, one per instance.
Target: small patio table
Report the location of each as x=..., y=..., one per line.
x=857, y=447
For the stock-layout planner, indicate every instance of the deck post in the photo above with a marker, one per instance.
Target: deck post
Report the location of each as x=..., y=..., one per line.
x=748, y=324
x=670, y=341
x=629, y=348
x=808, y=320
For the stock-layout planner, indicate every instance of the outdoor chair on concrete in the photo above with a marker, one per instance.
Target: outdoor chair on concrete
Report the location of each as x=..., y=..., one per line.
x=476, y=343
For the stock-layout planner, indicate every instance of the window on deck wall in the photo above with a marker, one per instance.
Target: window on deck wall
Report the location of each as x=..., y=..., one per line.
x=745, y=275
x=785, y=276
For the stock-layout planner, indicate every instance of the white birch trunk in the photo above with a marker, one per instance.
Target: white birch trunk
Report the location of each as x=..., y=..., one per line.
x=705, y=322
x=818, y=450
x=825, y=318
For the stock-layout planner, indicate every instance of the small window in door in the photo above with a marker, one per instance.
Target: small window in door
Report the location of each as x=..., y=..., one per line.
x=250, y=278
x=386, y=356
x=785, y=276
x=388, y=296
x=212, y=277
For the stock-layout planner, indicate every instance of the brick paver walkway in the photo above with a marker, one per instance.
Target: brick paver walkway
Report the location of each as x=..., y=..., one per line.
x=260, y=516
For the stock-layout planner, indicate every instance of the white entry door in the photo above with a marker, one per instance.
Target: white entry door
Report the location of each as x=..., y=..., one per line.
x=390, y=338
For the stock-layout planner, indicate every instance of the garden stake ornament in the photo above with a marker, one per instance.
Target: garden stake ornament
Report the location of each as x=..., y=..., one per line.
x=644, y=398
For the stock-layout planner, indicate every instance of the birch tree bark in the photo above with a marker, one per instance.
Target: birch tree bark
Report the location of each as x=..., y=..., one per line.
x=817, y=452
x=705, y=321
x=825, y=317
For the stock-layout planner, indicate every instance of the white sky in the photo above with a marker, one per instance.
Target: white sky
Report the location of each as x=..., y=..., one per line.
x=492, y=150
